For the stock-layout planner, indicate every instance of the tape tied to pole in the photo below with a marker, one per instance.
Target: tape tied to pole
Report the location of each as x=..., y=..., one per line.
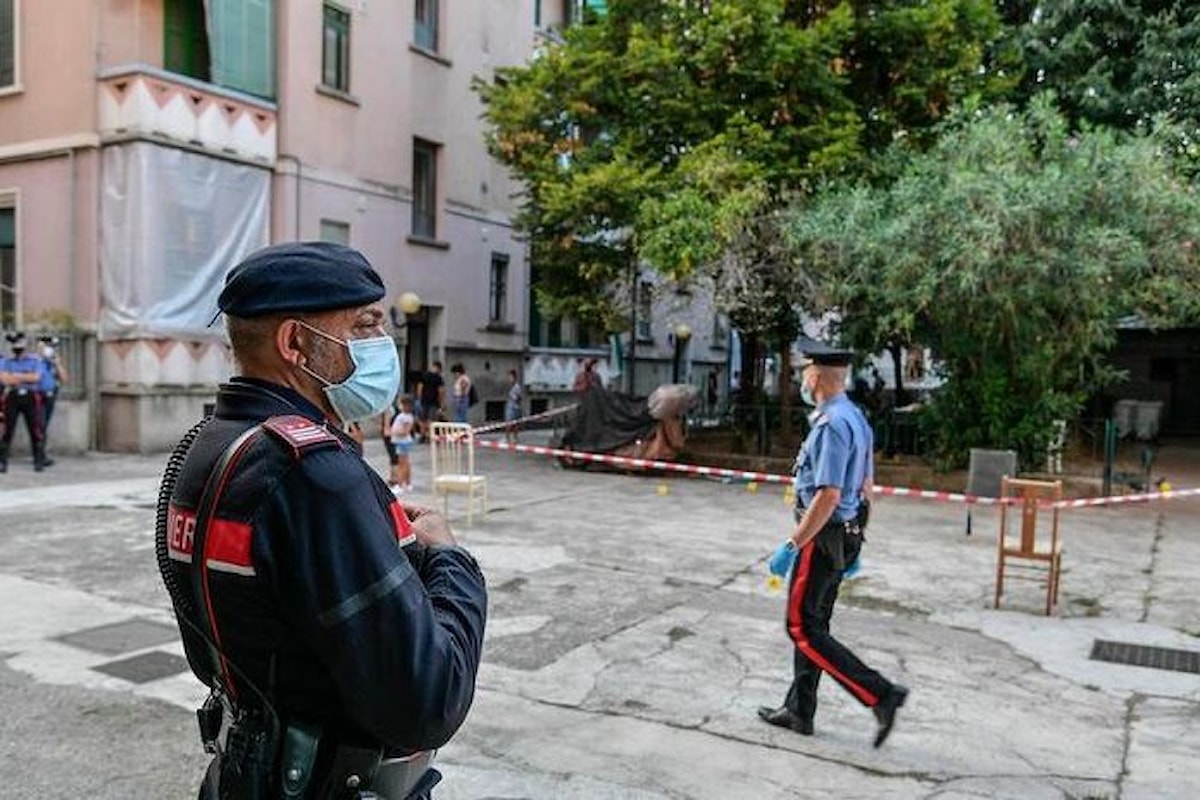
x=753, y=479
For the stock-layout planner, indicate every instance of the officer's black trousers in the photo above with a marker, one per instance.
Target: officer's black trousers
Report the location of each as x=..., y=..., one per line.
x=811, y=595
x=48, y=399
x=28, y=405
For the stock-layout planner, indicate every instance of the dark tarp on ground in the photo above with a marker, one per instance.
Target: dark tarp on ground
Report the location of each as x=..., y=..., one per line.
x=607, y=420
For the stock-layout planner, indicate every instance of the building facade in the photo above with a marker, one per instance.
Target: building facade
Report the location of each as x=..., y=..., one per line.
x=148, y=145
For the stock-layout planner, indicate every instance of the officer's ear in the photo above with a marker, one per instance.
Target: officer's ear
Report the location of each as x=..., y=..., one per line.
x=289, y=341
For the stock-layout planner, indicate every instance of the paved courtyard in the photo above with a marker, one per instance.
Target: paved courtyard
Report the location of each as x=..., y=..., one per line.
x=632, y=635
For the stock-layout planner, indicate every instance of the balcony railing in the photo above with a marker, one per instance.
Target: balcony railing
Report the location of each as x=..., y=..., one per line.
x=141, y=101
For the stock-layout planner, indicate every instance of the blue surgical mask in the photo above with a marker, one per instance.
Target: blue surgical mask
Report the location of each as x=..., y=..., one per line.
x=371, y=387
x=806, y=394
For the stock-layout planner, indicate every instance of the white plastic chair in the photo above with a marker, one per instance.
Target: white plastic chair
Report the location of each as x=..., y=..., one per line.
x=453, y=456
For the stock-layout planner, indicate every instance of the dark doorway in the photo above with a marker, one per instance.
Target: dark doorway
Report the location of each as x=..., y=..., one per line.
x=416, y=349
x=1184, y=415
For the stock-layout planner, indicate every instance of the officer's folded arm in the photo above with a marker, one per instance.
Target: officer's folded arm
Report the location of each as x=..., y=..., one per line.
x=403, y=647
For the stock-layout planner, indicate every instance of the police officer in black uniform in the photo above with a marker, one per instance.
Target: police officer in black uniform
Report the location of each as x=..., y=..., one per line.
x=20, y=377
x=340, y=631
x=834, y=473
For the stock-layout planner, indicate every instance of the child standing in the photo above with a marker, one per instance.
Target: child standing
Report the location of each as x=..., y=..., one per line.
x=402, y=440
x=512, y=406
x=385, y=433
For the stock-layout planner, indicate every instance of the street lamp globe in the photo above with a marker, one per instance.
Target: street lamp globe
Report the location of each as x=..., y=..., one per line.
x=683, y=331
x=409, y=303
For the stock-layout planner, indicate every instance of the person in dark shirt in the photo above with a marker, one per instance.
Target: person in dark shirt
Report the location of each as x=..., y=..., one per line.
x=432, y=391
x=340, y=631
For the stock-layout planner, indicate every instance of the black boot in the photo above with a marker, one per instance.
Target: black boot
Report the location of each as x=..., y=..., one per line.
x=885, y=712
x=784, y=717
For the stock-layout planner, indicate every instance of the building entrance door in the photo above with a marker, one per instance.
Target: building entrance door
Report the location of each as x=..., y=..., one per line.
x=416, y=348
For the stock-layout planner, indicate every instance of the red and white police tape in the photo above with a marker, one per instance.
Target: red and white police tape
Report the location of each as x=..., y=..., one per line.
x=517, y=423
x=766, y=477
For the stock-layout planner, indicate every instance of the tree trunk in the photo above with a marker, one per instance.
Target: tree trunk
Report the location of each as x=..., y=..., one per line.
x=900, y=398
x=785, y=389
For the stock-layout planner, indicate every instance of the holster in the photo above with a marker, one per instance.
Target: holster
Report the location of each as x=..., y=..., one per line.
x=351, y=773
x=298, y=759
x=359, y=773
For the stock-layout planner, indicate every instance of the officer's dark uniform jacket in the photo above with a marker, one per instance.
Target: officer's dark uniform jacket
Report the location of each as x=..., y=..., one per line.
x=311, y=596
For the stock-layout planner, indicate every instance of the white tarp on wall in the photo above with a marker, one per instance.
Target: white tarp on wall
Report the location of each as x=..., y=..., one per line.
x=172, y=223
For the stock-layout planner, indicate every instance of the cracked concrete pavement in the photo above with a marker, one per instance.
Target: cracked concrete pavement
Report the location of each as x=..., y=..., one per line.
x=632, y=635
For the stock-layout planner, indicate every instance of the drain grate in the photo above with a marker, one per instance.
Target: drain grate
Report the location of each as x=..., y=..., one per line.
x=1140, y=655
x=122, y=637
x=146, y=667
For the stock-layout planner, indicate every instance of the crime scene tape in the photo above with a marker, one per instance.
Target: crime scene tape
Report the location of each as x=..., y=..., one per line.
x=766, y=477
x=635, y=463
x=518, y=423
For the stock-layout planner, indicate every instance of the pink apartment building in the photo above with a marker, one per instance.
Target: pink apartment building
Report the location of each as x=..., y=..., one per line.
x=147, y=145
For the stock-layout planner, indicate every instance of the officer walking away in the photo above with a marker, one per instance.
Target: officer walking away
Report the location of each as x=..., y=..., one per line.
x=339, y=631
x=834, y=473
x=19, y=380
x=54, y=377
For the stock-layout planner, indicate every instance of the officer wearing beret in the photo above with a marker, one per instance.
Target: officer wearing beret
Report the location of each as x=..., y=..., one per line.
x=339, y=631
x=20, y=377
x=834, y=472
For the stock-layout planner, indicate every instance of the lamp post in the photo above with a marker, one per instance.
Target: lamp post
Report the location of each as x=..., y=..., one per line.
x=683, y=333
x=409, y=304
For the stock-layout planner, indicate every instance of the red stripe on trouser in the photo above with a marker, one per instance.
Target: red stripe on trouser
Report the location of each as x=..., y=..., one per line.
x=796, y=628
x=37, y=416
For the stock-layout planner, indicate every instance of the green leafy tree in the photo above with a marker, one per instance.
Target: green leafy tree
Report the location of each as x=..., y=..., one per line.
x=1011, y=248
x=1119, y=63
x=666, y=135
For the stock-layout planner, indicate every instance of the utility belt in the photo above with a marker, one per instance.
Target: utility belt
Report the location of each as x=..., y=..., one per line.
x=256, y=761
x=19, y=391
x=833, y=537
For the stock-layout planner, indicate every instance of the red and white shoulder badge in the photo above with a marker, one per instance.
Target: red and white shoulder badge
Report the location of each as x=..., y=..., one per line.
x=300, y=433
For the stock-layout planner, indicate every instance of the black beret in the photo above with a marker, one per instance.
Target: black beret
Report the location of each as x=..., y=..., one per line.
x=824, y=355
x=300, y=276
x=16, y=339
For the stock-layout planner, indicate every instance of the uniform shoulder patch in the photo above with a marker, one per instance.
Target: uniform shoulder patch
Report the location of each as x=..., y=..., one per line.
x=300, y=433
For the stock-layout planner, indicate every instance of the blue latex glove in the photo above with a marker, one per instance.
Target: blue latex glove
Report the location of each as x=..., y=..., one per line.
x=782, y=559
x=852, y=570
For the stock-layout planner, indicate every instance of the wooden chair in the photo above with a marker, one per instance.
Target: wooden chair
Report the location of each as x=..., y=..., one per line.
x=452, y=448
x=1032, y=499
